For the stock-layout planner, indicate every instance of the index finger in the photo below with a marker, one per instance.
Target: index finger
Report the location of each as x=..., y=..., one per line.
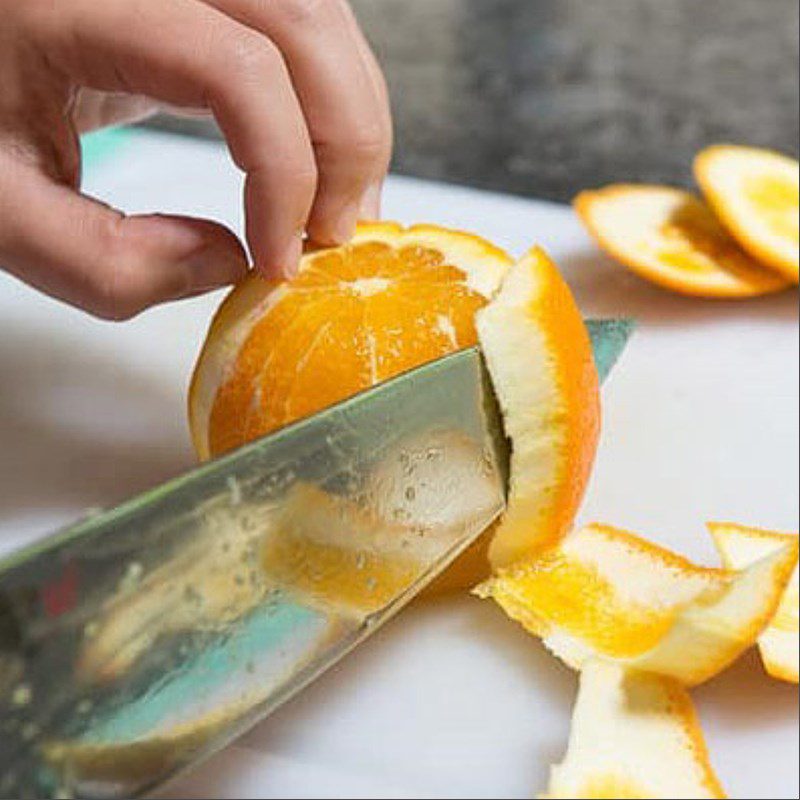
x=344, y=99
x=189, y=54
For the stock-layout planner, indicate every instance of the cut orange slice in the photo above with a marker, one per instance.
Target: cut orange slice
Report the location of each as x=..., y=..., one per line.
x=390, y=300
x=633, y=735
x=740, y=547
x=540, y=360
x=756, y=194
x=607, y=593
x=672, y=238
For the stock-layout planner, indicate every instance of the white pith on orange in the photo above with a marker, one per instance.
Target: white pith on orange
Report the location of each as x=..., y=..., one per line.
x=633, y=735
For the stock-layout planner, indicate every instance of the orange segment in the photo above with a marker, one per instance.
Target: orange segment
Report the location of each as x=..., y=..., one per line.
x=390, y=300
x=540, y=360
x=741, y=546
x=633, y=735
x=606, y=593
x=671, y=238
x=756, y=195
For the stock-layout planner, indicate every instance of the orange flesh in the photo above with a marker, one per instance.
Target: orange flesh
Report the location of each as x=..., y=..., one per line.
x=354, y=317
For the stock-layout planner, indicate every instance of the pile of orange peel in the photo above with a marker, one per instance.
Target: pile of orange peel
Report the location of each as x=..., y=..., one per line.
x=739, y=240
x=640, y=624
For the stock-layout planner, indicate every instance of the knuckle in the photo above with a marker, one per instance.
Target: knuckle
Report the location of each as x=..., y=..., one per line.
x=116, y=292
x=366, y=143
x=371, y=143
x=249, y=54
x=305, y=13
x=299, y=175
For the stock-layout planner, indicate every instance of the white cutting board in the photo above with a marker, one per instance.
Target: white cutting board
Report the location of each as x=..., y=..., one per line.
x=451, y=699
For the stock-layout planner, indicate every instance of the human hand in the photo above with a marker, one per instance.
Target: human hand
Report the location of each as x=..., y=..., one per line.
x=292, y=83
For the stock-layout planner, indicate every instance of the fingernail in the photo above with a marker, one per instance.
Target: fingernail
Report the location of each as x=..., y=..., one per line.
x=212, y=266
x=290, y=261
x=370, y=206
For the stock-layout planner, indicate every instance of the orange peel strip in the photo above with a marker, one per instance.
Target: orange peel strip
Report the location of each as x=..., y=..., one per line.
x=756, y=195
x=739, y=546
x=607, y=593
x=540, y=360
x=671, y=238
x=633, y=735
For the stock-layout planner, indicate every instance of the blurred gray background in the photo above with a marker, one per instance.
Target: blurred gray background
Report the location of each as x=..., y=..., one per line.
x=546, y=97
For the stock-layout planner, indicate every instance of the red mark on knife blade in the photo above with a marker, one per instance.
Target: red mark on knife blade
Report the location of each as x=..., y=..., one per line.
x=61, y=594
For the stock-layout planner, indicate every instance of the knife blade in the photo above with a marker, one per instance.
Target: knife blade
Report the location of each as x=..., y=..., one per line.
x=142, y=639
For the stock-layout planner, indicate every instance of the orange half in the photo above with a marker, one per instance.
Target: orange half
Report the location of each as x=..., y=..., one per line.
x=671, y=238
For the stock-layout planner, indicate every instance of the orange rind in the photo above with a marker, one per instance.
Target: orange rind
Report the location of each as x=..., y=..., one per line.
x=606, y=593
x=756, y=195
x=633, y=735
x=741, y=546
x=540, y=361
x=671, y=238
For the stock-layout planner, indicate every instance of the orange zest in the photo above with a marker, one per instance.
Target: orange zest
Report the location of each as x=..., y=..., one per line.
x=671, y=238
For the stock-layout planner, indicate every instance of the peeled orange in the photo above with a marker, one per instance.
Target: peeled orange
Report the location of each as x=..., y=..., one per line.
x=390, y=300
x=740, y=546
x=756, y=195
x=670, y=237
x=393, y=299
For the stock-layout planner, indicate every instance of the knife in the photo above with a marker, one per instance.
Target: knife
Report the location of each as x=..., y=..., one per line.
x=142, y=639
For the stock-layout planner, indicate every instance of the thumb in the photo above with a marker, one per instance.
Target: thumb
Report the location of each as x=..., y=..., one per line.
x=94, y=257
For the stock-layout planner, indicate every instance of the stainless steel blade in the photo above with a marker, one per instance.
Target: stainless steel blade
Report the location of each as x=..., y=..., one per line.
x=141, y=639
x=146, y=637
